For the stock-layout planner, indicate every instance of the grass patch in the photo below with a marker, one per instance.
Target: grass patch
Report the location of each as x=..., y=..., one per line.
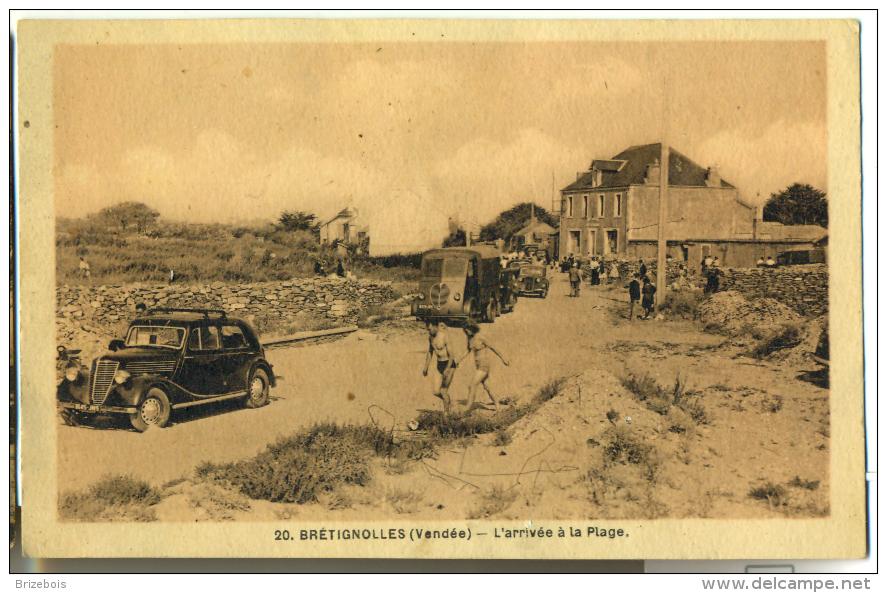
x=623, y=447
x=445, y=429
x=797, y=482
x=788, y=336
x=660, y=399
x=492, y=503
x=375, y=314
x=113, y=498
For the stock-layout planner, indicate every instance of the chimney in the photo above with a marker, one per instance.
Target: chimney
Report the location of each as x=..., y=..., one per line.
x=652, y=176
x=713, y=177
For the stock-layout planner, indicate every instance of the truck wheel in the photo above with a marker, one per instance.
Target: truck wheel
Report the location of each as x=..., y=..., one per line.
x=257, y=390
x=498, y=310
x=153, y=411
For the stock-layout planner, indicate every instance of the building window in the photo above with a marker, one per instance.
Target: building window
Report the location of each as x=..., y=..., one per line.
x=600, y=206
x=585, y=206
x=570, y=207
x=617, y=205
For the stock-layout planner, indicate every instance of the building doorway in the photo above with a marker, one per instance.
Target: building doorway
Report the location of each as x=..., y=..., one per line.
x=574, y=242
x=612, y=241
x=592, y=243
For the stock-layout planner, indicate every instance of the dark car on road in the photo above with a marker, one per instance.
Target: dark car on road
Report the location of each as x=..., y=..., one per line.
x=169, y=359
x=532, y=280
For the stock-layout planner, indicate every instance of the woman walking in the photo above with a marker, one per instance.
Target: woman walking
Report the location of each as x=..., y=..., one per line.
x=478, y=345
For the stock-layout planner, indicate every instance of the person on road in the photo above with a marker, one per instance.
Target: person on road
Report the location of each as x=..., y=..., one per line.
x=83, y=268
x=575, y=279
x=648, y=291
x=439, y=346
x=643, y=270
x=340, y=269
x=614, y=272
x=634, y=295
x=483, y=361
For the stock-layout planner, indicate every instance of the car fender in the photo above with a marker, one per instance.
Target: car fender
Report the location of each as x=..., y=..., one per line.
x=261, y=363
x=133, y=391
x=74, y=391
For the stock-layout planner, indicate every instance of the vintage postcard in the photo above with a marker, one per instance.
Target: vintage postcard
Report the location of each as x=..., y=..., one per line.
x=441, y=289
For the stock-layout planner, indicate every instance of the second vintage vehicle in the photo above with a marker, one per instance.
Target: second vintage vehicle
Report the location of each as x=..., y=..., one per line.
x=170, y=359
x=532, y=280
x=458, y=283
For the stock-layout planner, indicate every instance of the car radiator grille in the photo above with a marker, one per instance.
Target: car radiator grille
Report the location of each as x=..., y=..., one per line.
x=528, y=284
x=102, y=378
x=151, y=368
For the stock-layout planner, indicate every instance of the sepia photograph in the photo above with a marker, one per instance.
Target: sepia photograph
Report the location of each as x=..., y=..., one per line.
x=504, y=289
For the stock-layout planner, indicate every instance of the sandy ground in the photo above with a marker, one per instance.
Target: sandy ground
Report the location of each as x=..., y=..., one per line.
x=764, y=425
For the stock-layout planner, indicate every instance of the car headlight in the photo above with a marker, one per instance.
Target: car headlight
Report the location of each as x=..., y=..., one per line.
x=121, y=377
x=421, y=297
x=72, y=373
x=457, y=296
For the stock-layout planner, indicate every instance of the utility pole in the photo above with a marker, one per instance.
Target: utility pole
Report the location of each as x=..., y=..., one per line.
x=663, y=215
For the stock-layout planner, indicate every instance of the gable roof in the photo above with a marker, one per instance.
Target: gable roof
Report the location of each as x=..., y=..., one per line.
x=535, y=226
x=681, y=170
x=348, y=212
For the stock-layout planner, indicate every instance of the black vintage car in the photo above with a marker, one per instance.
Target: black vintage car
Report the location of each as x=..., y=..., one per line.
x=532, y=280
x=170, y=359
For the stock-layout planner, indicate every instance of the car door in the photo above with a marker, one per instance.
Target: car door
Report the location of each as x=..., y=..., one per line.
x=203, y=368
x=237, y=355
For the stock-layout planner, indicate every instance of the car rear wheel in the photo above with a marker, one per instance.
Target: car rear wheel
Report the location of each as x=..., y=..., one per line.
x=257, y=389
x=153, y=411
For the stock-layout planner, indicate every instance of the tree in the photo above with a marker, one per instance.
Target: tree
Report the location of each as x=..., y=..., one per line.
x=456, y=239
x=798, y=204
x=514, y=219
x=128, y=213
x=297, y=221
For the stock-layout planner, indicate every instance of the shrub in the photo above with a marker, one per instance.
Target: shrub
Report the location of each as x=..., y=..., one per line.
x=682, y=303
x=797, y=482
x=774, y=494
x=307, y=465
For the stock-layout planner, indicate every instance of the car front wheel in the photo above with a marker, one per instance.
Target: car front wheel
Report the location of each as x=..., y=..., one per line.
x=153, y=411
x=257, y=389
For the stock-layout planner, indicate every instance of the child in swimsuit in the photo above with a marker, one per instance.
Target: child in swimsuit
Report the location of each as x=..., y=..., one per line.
x=482, y=360
x=439, y=345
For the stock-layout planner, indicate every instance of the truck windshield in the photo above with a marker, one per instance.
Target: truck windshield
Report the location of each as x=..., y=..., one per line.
x=164, y=337
x=444, y=268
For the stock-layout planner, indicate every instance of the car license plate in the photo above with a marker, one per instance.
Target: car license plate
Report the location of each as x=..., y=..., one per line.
x=88, y=407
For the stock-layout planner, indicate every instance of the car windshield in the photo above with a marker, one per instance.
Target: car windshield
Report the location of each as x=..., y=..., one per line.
x=532, y=271
x=164, y=337
x=444, y=268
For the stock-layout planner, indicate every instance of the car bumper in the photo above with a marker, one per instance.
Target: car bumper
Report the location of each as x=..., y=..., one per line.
x=95, y=409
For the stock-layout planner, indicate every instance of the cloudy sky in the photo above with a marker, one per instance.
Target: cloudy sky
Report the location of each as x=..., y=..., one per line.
x=236, y=132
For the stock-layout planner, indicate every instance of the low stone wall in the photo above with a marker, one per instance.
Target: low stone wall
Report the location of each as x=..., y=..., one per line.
x=339, y=299
x=803, y=288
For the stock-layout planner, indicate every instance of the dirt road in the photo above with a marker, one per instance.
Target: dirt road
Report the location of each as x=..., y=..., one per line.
x=379, y=379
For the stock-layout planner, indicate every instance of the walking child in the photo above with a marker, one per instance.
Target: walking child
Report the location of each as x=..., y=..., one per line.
x=648, y=291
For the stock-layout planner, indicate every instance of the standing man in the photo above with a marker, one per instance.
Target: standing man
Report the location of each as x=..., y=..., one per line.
x=643, y=270
x=575, y=279
x=634, y=295
x=439, y=345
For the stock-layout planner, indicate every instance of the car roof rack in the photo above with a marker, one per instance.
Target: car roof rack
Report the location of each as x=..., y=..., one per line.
x=205, y=312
